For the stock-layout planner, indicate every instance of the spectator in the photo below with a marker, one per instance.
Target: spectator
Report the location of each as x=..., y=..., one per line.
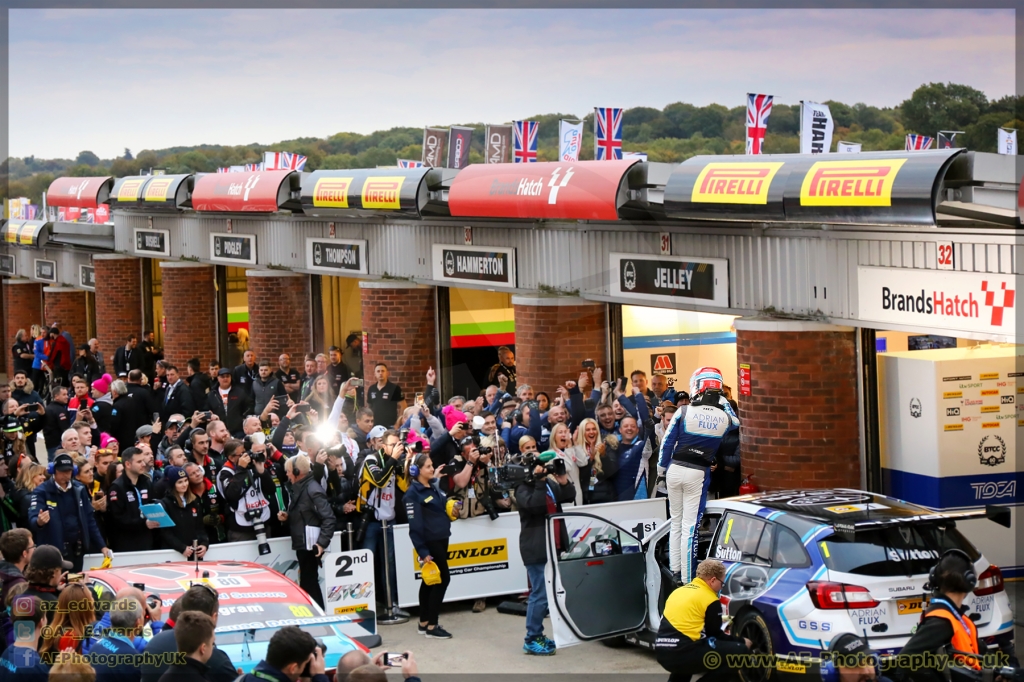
x=219, y=437
x=289, y=653
x=30, y=477
x=384, y=398
x=245, y=374
x=319, y=399
x=193, y=636
x=126, y=416
x=587, y=446
x=23, y=390
x=506, y=367
x=126, y=358
x=60, y=356
x=175, y=397
x=17, y=547
x=8, y=508
x=577, y=463
x=308, y=509
x=337, y=372
x=22, y=352
x=57, y=419
x=128, y=527
x=85, y=365
x=87, y=477
x=139, y=388
x=198, y=383
x=353, y=354
x=209, y=502
x=40, y=352
x=199, y=598
x=170, y=435
x=430, y=527
x=44, y=572
x=230, y=402
x=72, y=624
x=246, y=488
x=289, y=377
x=266, y=387
x=103, y=403
x=21, y=661
x=198, y=451
x=94, y=348
x=543, y=402
x=80, y=403
x=183, y=508
x=61, y=515
x=72, y=668
x=308, y=377
x=117, y=647
x=661, y=390
x=149, y=355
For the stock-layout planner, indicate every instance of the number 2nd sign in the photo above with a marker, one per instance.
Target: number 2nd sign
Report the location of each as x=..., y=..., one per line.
x=945, y=255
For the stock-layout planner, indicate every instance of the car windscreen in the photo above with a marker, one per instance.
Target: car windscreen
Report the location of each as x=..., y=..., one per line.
x=894, y=550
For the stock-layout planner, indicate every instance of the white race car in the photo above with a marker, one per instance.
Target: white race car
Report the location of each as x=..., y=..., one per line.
x=801, y=567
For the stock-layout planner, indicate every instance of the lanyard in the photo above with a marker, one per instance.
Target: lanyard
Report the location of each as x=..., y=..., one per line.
x=954, y=610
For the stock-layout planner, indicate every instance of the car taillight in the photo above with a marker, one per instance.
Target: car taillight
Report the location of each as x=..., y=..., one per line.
x=989, y=582
x=840, y=596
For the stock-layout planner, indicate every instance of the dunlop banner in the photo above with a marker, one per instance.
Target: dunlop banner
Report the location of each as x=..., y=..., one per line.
x=354, y=192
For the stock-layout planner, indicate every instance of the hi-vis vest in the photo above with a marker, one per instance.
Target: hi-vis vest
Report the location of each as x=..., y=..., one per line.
x=965, y=637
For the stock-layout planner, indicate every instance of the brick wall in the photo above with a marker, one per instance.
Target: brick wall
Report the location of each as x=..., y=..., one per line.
x=279, y=314
x=553, y=340
x=190, y=309
x=23, y=307
x=118, y=301
x=66, y=306
x=399, y=322
x=799, y=427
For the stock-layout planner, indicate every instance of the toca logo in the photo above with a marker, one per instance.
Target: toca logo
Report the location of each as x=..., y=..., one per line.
x=331, y=192
x=382, y=193
x=734, y=183
x=157, y=189
x=850, y=183
x=129, y=190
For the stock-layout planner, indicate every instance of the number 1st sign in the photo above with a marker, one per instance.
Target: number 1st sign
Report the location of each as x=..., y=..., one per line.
x=349, y=583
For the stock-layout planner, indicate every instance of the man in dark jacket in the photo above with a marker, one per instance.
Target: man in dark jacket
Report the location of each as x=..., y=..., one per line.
x=58, y=419
x=61, y=515
x=175, y=396
x=194, y=637
x=289, y=652
x=198, y=599
x=126, y=524
x=230, y=402
x=140, y=389
x=267, y=387
x=308, y=508
x=16, y=546
x=126, y=358
x=536, y=499
x=245, y=374
x=127, y=414
x=199, y=383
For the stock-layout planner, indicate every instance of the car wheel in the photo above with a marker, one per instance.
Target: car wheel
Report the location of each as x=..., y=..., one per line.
x=615, y=642
x=750, y=624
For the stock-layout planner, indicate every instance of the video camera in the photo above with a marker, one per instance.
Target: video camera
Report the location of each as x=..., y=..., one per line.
x=510, y=476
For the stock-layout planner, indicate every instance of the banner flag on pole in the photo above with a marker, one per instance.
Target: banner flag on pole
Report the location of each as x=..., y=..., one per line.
x=406, y=163
x=570, y=140
x=1007, y=141
x=848, y=147
x=918, y=142
x=635, y=155
x=497, y=140
x=607, y=133
x=282, y=161
x=944, y=141
x=759, y=108
x=525, y=137
x=458, y=146
x=433, y=147
x=816, y=128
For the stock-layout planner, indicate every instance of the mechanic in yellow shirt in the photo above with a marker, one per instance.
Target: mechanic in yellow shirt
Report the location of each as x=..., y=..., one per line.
x=691, y=629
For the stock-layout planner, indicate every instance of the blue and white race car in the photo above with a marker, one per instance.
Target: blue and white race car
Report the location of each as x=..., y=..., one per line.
x=801, y=567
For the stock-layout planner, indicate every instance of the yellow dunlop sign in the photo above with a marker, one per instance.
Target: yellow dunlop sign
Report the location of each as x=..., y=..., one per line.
x=989, y=375
x=953, y=427
x=946, y=395
x=475, y=557
x=850, y=183
x=989, y=408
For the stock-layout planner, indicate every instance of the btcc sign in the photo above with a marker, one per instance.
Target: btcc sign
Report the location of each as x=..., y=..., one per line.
x=382, y=192
x=850, y=183
x=331, y=192
x=734, y=183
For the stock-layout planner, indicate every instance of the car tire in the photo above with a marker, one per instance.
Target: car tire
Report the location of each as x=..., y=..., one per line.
x=615, y=642
x=751, y=624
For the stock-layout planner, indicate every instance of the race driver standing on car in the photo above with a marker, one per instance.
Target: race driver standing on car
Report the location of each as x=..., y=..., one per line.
x=688, y=453
x=691, y=630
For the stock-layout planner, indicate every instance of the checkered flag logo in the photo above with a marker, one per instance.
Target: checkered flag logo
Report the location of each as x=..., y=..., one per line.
x=997, y=308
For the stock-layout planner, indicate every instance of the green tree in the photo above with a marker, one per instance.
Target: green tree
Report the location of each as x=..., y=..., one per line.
x=938, y=106
x=87, y=159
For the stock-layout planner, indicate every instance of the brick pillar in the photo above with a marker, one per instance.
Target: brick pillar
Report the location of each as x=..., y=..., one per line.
x=799, y=426
x=66, y=306
x=190, y=309
x=279, y=314
x=118, y=301
x=23, y=307
x=554, y=335
x=400, y=328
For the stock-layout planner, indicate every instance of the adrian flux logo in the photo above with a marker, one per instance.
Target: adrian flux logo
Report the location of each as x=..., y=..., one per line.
x=997, y=308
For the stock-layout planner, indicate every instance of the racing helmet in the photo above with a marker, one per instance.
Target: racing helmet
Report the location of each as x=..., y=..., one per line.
x=705, y=378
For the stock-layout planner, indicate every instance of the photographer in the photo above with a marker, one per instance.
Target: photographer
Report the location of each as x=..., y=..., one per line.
x=430, y=527
x=469, y=482
x=308, y=509
x=247, y=488
x=541, y=494
x=291, y=654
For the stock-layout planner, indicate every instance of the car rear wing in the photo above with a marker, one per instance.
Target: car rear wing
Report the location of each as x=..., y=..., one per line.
x=276, y=624
x=1000, y=515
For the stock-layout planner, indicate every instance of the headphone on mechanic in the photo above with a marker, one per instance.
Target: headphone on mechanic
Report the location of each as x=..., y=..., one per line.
x=969, y=575
x=414, y=469
x=844, y=645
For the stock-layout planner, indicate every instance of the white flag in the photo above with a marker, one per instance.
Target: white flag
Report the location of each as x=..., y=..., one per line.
x=570, y=140
x=816, y=128
x=635, y=155
x=1007, y=142
x=848, y=147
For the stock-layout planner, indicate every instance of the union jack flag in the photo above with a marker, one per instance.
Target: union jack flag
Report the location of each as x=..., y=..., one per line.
x=918, y=142
x=224, y=169
x=607, y=133
x=253, y=167
x=759, y=107
x=525, y=134
x=406, y=163
x=283, y=161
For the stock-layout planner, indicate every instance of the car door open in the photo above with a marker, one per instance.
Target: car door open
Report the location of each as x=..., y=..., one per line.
x=596, y=577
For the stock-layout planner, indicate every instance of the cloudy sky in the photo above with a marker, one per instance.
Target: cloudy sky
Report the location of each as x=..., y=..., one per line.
x=104, y=80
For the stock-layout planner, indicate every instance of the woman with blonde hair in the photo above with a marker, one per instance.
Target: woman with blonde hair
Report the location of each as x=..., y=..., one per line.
x=587, y=446
x=30, y=477
x=603, y=470
x=72, y=624
x=561, y=442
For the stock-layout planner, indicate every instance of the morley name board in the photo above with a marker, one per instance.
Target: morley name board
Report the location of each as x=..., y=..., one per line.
x=234, y=249
x=670, y=279
x=494, y=265
x=336, y=256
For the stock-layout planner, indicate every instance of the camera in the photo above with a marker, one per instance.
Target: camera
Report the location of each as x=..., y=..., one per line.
x=323, y=652
x=252, y=516
x=484, y=450
x=260, y=457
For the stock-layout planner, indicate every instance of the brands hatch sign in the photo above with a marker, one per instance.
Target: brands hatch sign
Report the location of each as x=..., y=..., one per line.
x=954, y=301
x=491, y=265
x=670, y=279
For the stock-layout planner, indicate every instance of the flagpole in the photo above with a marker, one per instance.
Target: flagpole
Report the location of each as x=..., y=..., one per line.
x=801, y=138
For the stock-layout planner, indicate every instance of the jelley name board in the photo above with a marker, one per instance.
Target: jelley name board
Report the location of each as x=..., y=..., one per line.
x=494, y=265
x=670, y=279
x=940, y=300
x=234, y=249
x=336, y=256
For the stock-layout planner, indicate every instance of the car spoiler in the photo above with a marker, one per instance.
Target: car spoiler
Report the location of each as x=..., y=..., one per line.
x=1000, y=515
x=276, y=624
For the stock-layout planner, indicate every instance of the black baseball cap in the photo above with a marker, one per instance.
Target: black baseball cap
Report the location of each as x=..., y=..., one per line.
x=63, y=462
x=48, y=557
x=224, y=371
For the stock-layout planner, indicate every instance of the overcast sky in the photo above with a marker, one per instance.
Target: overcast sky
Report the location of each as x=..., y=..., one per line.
x=104, y=80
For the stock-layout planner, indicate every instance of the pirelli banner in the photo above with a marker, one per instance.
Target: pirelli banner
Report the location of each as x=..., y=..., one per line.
x=403, y=191
x=28, y=233
x=153, y=192
x=875, y=188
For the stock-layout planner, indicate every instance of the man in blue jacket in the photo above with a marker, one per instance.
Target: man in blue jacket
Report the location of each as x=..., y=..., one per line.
x=61, y=515
x=115, y=656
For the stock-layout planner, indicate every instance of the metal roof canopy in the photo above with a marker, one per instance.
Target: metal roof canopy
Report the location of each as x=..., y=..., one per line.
x=258, y=192
x=28, y=233
x=79, y=192
x=153, y=192
x=406, y=192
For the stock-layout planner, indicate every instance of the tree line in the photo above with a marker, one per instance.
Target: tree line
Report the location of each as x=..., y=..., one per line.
x=672, y=135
